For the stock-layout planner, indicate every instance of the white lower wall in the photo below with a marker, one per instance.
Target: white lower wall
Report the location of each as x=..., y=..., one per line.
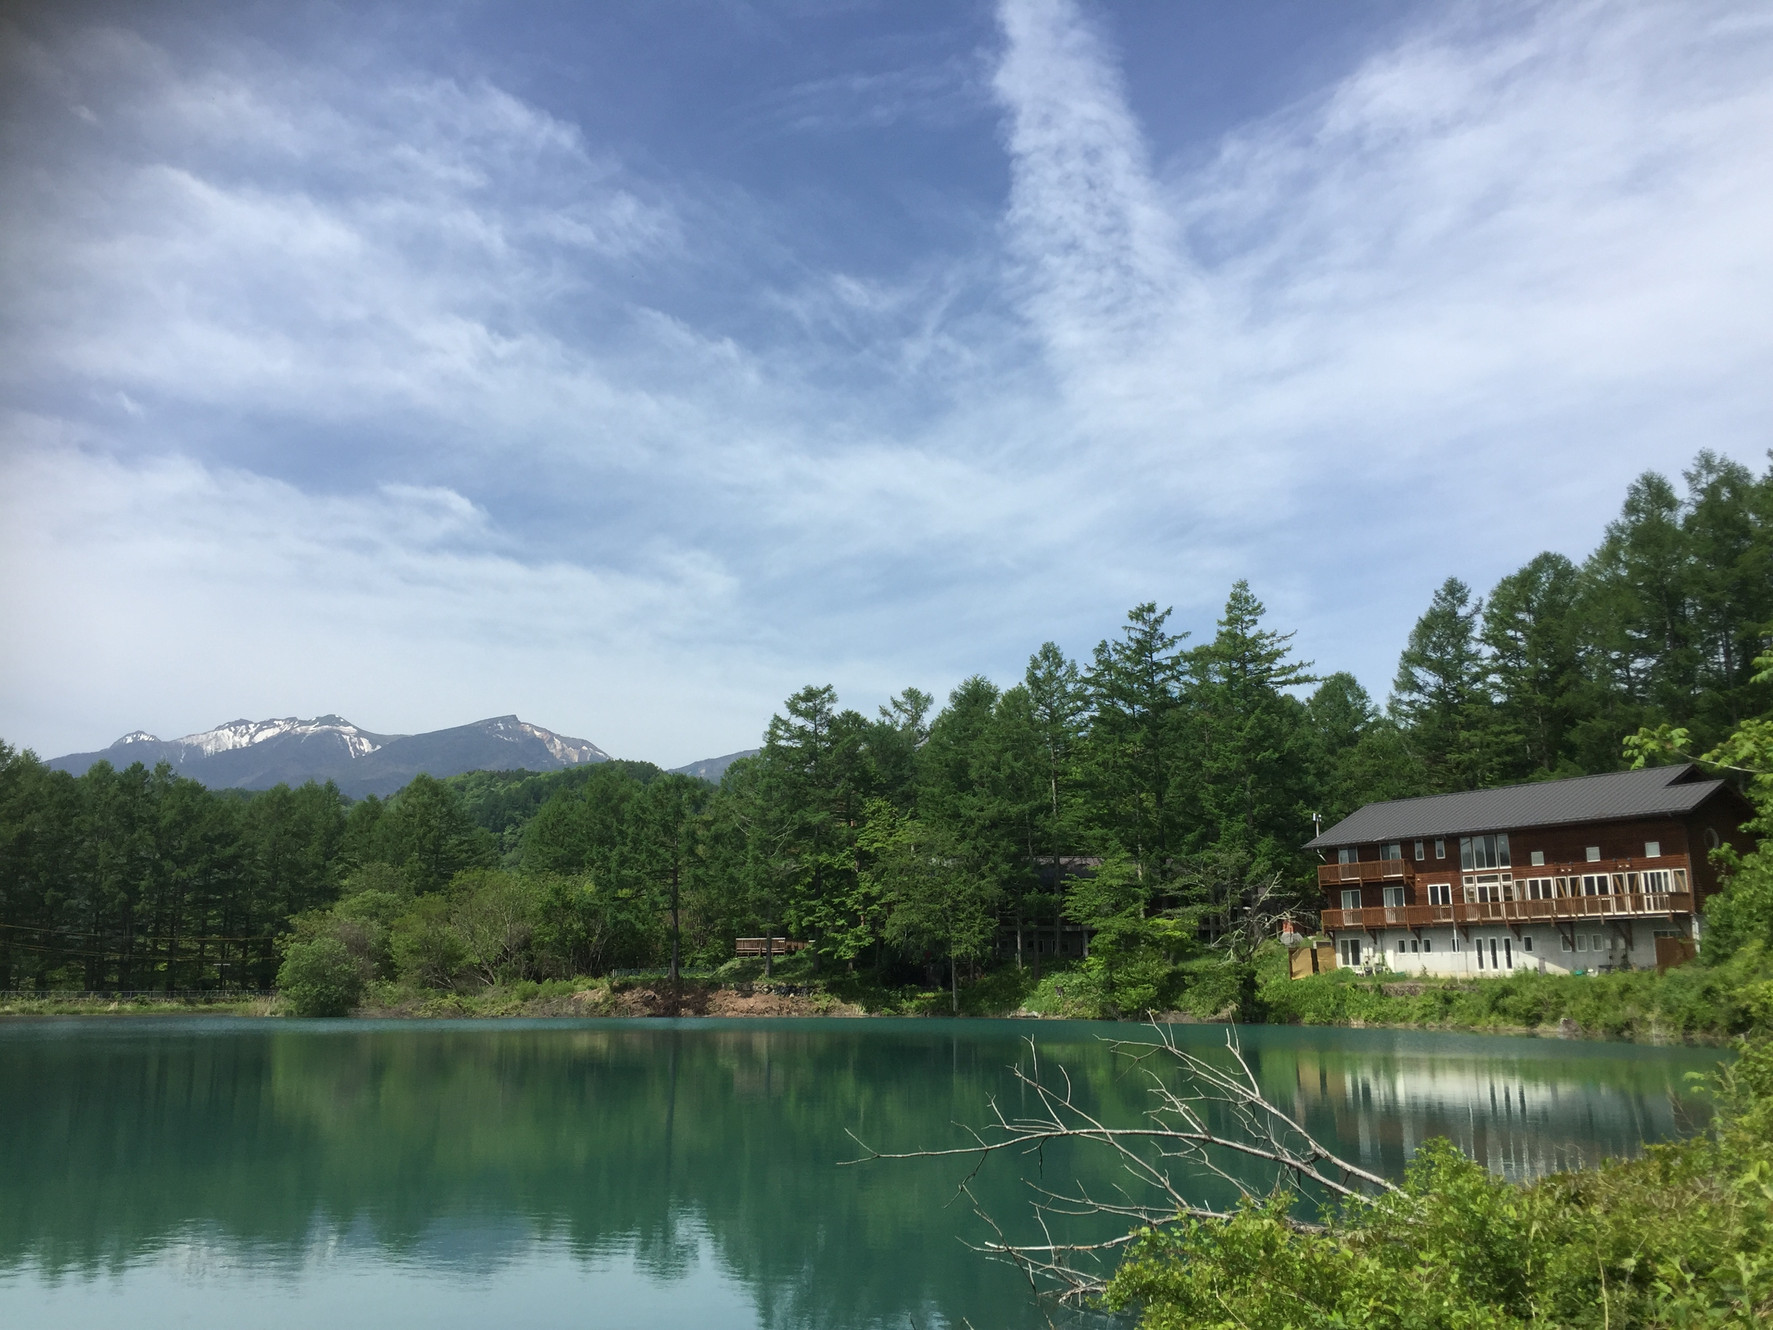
x=1538, y=947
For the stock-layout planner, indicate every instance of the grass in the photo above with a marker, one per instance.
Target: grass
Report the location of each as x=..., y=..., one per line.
x=140, y=1005
x=1698, y=1003
x=1691, y=1003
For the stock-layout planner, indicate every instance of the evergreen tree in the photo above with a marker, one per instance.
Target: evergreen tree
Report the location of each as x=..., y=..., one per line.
x=812, y=793
x=1134, y=752
x=1252, y=746
x=1531, y=631
x=1440, y=699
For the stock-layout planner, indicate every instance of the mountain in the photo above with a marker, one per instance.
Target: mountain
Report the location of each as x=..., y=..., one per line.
x=256, y=755
x=713, y=768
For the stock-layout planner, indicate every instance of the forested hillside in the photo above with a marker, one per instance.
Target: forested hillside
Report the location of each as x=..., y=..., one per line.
x=1158, y=792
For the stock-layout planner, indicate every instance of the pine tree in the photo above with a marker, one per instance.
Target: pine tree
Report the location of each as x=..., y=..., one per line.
x=1531, y=631
x=1440, y=698
x=1134, y=750
x=1252, y=747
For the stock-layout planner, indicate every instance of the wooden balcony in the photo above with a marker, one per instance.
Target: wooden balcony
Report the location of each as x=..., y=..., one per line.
x=1369, y=870
x=1558, y=909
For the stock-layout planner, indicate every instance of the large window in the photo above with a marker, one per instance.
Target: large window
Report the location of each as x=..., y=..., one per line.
x=1347, y=855
x=1394, y=898
x=1440, y=893
x=1351, y=898
x=1391, y=850
x=1484, y=851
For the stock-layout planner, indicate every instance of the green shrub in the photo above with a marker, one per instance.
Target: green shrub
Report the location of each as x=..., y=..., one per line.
x=320, y=977
x=1680, y=1237
x=428, y=951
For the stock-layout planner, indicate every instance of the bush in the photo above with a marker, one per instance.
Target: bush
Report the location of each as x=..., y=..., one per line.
x=1682, y=1236
x=427, y=949
x=320, y=977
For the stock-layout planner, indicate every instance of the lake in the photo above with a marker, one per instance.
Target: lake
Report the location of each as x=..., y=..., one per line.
x=219, y=1172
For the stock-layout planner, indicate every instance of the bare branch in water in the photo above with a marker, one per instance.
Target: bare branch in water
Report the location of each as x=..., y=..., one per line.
x=1177, y=1142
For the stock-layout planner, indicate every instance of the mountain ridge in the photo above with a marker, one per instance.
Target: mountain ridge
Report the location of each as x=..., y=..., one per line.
x=255, y=755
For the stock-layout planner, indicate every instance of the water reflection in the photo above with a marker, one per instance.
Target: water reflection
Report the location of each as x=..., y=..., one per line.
x=658, y=1173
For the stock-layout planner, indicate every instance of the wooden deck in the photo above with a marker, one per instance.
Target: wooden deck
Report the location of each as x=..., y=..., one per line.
x=1621, y=906
x=757, y=946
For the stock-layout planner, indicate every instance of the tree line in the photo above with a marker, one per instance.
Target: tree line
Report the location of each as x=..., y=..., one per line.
x=1156, y=795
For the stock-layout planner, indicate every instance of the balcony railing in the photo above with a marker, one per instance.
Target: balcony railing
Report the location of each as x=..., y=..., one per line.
x=1368, y=870
x=1504, y=912
x=1620, y=876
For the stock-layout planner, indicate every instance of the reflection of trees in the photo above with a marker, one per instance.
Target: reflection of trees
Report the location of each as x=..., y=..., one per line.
x=609, y=1139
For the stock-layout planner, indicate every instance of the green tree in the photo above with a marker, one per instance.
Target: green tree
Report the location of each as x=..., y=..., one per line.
x=666, y=850
x=425, y=830
x=1440, y=698
x=811, y=793
x=1134, y=751
x=1534, y=641
x=939, y=901
x=319, y=977
x=1252, y=746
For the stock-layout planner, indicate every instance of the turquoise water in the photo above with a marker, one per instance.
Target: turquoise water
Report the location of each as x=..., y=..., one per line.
x=265, y=1174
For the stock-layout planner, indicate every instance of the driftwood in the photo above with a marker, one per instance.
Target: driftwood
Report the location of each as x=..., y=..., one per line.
x=1176, y=1141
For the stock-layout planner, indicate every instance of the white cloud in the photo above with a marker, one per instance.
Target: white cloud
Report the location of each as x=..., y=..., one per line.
x=394, y=396
x=1508, y=263
x=205, y=592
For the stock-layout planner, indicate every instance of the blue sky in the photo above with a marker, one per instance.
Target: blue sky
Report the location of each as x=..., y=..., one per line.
x=628, y=366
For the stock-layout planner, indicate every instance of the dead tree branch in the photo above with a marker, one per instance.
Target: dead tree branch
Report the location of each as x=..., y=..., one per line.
x=1205, y=1119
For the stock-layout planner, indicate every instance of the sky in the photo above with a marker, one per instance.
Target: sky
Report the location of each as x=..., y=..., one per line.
x=628, y=367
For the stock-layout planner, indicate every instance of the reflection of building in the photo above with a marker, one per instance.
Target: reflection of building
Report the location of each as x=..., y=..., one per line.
x=1518, y=1116
x=1593, y=873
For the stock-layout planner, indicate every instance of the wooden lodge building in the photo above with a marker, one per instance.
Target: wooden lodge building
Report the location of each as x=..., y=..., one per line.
x=1591, y=873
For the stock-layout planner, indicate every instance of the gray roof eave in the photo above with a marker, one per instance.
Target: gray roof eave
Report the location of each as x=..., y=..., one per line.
x=1616, y=796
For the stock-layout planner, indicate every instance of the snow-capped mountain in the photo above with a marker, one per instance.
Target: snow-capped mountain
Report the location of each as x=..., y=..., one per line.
x=257, y=754
x=245, y=733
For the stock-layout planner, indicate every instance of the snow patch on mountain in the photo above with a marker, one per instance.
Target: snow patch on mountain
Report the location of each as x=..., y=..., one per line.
x=245, y=733
x=572, y=752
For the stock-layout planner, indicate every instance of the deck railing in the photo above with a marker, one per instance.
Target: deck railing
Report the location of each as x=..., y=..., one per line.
x=1368, y=870
x=1520, y=911
x=757, y=946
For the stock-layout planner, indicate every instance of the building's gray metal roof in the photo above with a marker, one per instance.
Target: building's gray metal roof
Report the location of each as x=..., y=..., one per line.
x=1652, y=792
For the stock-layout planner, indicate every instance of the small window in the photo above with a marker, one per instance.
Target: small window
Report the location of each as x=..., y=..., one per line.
x=1712, y=840
x=1594, y=854
x=1564, y=943
x=1538, y=858
x=1428, y=944
x=1400, y=946
x=1440, y=893
x=1597, y=943
x=1582, y=942
x=1652, y=849
x=1415, y=946
x=1420, y=852
x=1527, y=942
x=1440, y=848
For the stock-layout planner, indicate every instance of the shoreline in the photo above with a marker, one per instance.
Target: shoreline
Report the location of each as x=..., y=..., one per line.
x=643, y=1001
